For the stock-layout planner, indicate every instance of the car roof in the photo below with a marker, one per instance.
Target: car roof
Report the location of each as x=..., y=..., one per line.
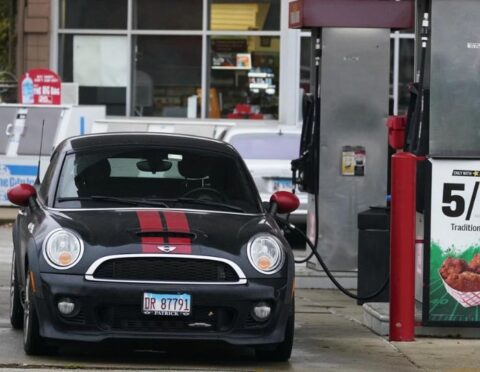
x=261, y=130
x=101, y=140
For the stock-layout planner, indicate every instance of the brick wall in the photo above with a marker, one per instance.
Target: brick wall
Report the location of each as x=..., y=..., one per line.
x=36, y=40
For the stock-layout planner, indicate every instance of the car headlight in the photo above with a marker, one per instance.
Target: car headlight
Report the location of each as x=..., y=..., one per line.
x=265, y=253
x=62, y=249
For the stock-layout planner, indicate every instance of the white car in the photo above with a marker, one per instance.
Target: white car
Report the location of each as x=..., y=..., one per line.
x=268, y=152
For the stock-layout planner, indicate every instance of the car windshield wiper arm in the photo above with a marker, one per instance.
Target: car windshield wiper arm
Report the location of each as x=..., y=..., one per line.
x=114, y=199
x=209, y=203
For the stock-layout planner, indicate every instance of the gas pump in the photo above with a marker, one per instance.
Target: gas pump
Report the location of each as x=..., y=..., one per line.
x=451, y=294
x=344, y=153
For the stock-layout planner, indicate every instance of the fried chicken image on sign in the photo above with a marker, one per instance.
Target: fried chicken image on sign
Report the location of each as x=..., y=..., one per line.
x=467, y=281
x=452, y=266
x=475, y=264
x=459, y=275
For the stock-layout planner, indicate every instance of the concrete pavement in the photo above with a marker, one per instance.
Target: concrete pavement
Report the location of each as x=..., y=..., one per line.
x=8, y=214
x=329, y=336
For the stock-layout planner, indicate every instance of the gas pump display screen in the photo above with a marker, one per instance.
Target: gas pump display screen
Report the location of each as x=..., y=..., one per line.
x=453, y=274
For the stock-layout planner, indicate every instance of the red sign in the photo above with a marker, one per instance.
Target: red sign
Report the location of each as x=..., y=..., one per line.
x=40, y=87
x=295, y=14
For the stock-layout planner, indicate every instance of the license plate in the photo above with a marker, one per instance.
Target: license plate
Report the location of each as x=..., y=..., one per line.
x=167, y=304
x=281, y=184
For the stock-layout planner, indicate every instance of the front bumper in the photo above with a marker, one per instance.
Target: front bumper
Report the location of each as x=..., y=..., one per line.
x=113, y=311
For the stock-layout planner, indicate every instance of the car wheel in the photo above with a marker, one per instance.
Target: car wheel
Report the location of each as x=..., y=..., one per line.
x=33, y=343
x=16, y=308
x=282, y=351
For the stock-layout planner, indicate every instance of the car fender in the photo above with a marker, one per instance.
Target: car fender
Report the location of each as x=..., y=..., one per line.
x=32, y=258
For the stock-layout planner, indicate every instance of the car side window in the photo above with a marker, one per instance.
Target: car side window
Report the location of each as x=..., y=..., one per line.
x=47, y=178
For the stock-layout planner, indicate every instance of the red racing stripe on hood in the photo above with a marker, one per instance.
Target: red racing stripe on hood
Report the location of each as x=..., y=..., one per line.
x=178, y=222
x=150, y=221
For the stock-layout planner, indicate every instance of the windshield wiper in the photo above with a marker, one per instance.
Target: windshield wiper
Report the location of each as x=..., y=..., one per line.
x=209, y=203
x=156, y=202
x=114, y=199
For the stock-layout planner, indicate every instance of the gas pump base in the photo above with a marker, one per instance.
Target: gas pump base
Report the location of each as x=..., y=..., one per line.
x=376, y=317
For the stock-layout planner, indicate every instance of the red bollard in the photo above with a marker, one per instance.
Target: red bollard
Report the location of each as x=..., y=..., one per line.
x=402, y=247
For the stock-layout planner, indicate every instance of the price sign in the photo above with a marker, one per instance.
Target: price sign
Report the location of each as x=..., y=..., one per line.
x=454, y=271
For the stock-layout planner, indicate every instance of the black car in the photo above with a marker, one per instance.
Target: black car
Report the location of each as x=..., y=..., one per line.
x=151, y=236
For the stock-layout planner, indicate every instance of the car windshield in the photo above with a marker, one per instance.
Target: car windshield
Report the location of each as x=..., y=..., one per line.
x=154, y=177
x=281, y=146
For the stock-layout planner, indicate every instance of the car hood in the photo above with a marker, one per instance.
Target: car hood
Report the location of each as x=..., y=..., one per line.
x=146, y=230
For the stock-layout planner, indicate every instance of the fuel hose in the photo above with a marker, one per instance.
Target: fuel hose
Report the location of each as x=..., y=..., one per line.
x=327, y=270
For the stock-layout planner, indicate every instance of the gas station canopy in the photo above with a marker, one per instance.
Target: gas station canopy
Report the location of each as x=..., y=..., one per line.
x=393, y=14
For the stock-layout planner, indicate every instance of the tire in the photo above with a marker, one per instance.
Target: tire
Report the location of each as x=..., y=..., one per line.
x=16, y=307
x=282, y=351
x=33, y=343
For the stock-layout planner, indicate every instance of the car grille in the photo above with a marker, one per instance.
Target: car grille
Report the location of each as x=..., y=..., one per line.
x=130, y=318
x=77, y=319
x=166, y=269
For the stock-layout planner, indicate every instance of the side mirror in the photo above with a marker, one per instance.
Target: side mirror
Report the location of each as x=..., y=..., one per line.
x=283, y=202
x=20, y=194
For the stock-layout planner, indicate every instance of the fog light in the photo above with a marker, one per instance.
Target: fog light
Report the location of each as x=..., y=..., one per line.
x=261, y=311
x=66, y=306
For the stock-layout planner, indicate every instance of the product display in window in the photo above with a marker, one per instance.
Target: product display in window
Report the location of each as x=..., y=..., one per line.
x=244, y=75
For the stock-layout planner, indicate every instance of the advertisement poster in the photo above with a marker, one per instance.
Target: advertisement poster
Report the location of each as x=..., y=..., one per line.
x=12, y=175
x=454, y=257
x=40, y=87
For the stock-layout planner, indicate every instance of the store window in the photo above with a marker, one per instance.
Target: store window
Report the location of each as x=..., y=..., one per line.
x=99, y=64
x=401, y=69
x=168, y=14
x=167, y=76
x=93, y=14
x=168, y=58
x=245, y=15
x=305, y=63
x=402, y=57
x=406, y=73
x=244, y=77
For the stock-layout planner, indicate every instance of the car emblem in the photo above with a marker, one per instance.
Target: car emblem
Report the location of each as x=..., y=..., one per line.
x=166, y=248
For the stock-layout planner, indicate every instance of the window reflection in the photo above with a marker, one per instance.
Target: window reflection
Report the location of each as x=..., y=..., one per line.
x=406, y=73
x=93, y=14
x=102, y=79
x=168, y=14
x=305, y=64
x=167, y=76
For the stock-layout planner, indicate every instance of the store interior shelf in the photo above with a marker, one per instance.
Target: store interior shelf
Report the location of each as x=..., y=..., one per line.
x=230, y=68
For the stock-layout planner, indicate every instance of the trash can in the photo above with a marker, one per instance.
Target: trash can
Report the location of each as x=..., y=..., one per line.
x=373, y=253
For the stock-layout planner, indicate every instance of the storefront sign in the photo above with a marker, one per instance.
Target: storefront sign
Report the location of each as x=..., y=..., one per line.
x=295, y=14
x=453, y=281
x=40, y=87
x=12, y=175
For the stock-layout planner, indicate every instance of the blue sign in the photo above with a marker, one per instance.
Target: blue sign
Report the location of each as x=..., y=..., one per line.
x=12, y=175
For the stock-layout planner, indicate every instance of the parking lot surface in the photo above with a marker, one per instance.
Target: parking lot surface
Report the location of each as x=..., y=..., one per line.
x=329, y=336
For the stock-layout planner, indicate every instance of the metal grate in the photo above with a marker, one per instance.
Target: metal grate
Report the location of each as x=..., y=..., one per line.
x=130, y=318
x=166, y=269
x=77, y=319
x=250, y=322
